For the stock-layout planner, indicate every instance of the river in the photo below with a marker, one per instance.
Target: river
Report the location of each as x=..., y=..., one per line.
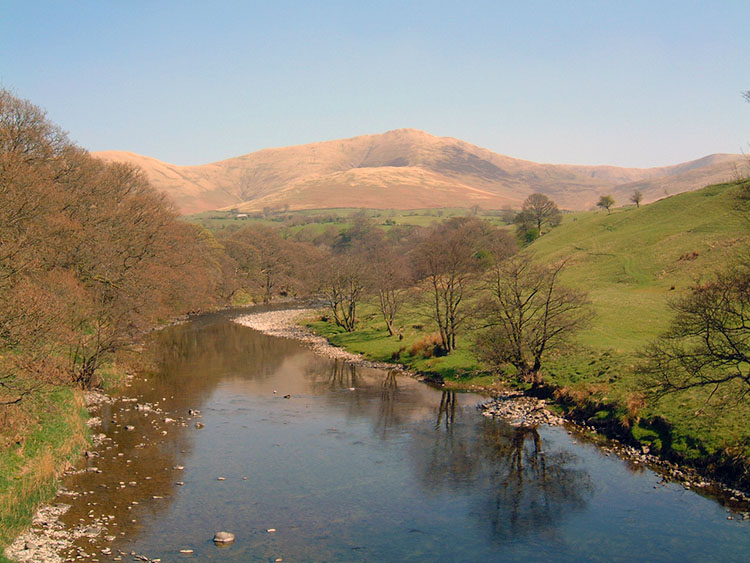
x=356, y=464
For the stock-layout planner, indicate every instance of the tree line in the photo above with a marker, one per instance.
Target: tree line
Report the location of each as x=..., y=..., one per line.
x=90, y=255
x=464, y=273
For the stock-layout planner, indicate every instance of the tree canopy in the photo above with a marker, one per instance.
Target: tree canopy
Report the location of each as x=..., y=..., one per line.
x=537, y=212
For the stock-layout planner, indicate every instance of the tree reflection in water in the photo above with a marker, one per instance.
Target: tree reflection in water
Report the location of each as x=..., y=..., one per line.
x=528, y=489
x=531, y=488
x=387, y=414
x=447, y=409
x=517, y=483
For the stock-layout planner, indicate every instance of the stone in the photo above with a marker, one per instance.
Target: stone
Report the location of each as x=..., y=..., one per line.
x=129, y=427
x=199, y=425
x=223, y=537
x=92, y=531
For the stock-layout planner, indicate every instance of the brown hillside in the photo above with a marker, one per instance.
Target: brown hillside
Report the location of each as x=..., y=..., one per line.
x=407, y=169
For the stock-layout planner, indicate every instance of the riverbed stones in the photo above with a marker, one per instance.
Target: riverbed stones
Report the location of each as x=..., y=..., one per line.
x=223, y=537
x=519, y=410
x=284, y=325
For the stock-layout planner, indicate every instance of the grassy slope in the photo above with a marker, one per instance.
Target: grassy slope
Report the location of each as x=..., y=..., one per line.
x=29, y=469
x=631, y=262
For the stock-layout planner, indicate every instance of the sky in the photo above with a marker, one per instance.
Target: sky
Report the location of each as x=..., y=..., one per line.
x=626, y=83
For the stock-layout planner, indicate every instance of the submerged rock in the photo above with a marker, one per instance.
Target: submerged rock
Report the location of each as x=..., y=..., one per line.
x=223, y=537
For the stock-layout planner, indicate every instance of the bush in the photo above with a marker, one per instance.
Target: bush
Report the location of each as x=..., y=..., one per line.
x=427, y=347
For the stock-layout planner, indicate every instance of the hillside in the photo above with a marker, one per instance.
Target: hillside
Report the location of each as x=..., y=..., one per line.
x=634, y=260
x=407, y=169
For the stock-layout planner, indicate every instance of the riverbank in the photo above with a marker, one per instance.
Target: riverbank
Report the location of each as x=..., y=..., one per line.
x=518, y=407
x=63, y=420
x=285, y=323
x=30, y=468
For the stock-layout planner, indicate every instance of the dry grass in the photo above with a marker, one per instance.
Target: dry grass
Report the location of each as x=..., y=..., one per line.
x=406, y=169
x=426, y=347
x=53, y=435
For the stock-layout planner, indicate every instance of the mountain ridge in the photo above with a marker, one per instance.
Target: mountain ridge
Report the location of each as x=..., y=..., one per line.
x=407, y=169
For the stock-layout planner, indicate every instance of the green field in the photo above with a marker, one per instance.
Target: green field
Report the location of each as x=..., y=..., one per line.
x=317, y=220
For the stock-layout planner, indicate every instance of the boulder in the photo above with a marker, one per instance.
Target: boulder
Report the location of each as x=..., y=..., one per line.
x=223, y=537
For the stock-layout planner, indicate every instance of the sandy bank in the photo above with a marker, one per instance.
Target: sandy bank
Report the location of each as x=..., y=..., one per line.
x=285, y=324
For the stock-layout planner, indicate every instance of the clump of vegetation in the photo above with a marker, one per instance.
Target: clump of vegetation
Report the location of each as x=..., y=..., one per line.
x=427, y=347
x=90, y=257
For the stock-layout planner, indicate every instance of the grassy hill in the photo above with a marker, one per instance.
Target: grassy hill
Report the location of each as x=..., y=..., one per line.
x=633, y=260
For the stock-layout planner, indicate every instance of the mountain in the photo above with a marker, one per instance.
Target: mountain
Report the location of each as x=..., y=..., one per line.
x=408, y=169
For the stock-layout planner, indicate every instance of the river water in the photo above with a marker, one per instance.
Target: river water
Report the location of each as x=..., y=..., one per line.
x=359, y=465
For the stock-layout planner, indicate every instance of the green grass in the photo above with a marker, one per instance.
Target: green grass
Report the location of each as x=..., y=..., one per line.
x=29, y=468
x=634, y=260
x=340, y=218
x=372, y=340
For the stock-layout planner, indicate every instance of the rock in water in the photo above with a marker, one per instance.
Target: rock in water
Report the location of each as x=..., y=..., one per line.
x=223, y=537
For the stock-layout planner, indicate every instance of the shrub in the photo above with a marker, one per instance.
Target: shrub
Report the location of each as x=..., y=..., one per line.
x=427, y=347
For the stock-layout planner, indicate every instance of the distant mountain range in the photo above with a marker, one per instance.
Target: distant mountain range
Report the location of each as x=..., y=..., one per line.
x=408, y=169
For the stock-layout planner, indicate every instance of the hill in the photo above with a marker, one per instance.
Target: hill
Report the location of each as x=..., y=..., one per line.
x=407, y=169
x=634, y=260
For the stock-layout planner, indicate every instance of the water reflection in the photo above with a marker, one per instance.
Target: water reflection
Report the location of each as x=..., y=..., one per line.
x=447, y=409
x=387, y=413
x=532, y=489
x=527, y=487
x=358, y=463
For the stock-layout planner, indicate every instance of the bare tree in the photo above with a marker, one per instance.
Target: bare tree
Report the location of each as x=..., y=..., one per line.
x=90, y=254
x=391, y=277
x=637, y=197
x=708, y=343
x=528, y=314
x=606, y=202
x=448, y=262
x=343, y=285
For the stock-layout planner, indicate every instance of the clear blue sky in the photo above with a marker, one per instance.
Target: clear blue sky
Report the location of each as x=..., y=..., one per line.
x=627, y=83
